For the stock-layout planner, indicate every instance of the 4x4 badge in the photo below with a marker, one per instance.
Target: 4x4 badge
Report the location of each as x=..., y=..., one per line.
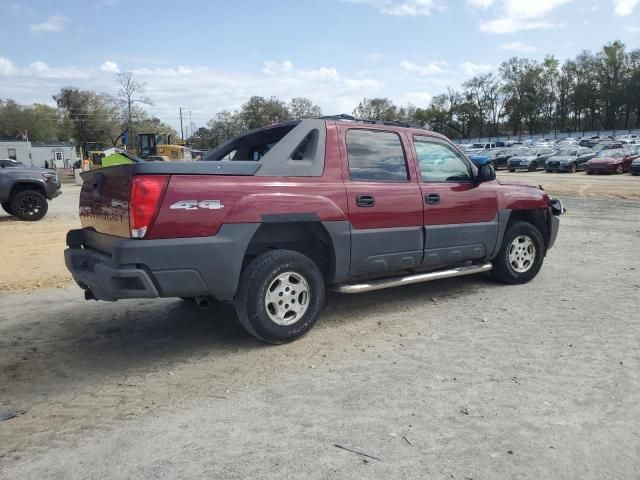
x=194, y=205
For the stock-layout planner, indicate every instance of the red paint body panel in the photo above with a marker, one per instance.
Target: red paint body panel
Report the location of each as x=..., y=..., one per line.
x=461, y=203
x=331, y=197
x=397, y=204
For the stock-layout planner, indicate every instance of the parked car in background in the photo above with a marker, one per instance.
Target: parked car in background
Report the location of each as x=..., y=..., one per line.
x=569, y=160
x=497, y=157
x=479, y=147
x=607, y=145
x=24, y=191
x=589, y=142
x=612, y=161
x=635, y=167
x=630, y=138
x=530, y=159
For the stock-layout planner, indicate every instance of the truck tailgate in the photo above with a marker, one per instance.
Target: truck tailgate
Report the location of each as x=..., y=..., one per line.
x=104, y=200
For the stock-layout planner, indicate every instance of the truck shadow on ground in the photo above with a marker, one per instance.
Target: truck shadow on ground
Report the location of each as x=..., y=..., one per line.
x=76, y=340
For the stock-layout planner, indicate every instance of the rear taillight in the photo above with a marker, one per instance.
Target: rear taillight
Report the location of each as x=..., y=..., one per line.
x=144, y=202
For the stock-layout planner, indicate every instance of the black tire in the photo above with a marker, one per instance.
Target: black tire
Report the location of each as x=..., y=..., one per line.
x=635, y=174
x=589, y=172
x=503, y=270
x=547, y=170
x=573, y=168
x=29, y=205
x=512, y=170
x=255, y=281
x=620, y=169
x=533, y=167
x=7, y=208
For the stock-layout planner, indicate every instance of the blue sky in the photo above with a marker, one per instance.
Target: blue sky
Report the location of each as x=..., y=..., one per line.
x=212, y=55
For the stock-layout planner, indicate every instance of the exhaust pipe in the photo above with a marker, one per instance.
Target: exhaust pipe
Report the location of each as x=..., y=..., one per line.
x=203, y=302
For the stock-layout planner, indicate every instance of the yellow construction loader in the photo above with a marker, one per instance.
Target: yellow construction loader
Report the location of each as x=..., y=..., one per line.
x=159, y=146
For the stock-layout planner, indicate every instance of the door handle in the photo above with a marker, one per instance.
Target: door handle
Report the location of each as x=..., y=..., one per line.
x=365, y=200
x=432, y=198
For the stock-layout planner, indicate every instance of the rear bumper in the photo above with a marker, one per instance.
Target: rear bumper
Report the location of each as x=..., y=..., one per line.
x=114, y=268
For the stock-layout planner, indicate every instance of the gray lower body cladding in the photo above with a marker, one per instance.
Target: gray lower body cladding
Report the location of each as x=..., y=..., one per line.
x=115, y=268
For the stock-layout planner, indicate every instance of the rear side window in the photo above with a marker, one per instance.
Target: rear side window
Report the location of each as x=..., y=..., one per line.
x=439, y=162
x=376, y=156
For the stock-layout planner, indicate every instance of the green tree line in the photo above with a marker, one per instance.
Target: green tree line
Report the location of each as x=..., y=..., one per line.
x=593, y=91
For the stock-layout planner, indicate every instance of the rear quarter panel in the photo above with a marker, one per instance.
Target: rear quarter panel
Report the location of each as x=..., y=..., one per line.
x=245, y=200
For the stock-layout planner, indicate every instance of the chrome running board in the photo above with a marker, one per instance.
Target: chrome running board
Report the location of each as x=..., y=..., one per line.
x=379, y=284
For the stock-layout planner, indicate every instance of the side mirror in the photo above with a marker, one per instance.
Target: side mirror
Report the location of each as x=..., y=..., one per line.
x=486, y=173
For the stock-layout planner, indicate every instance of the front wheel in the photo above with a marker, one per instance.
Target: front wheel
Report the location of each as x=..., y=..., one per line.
x=619, y=170
x=512, y=170
x=574, y=168
x=280, y=296
x=533, y=167
x=521, y=254
x=29, y=205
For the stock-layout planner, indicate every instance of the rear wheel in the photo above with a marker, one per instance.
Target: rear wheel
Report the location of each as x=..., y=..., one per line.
x=7, y=208
x=29, y=205
x=521, y=254
x=280, y=296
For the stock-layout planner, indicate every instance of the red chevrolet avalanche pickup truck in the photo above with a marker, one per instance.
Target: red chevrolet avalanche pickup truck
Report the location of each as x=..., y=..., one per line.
x=274, y=217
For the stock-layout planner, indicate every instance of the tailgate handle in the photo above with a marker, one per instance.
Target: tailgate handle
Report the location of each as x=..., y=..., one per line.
x=97, y=183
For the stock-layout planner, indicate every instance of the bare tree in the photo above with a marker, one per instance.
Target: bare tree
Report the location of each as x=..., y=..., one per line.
x=130, y=93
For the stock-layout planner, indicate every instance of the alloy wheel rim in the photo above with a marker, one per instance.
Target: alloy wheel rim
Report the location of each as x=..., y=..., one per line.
x=522, y=253
x=287, y=298
x=30, y=206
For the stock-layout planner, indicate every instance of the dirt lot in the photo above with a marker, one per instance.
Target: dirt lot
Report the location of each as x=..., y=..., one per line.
x=457, y=379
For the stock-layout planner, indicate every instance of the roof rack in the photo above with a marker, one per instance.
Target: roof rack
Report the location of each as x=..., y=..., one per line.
x=391, y=123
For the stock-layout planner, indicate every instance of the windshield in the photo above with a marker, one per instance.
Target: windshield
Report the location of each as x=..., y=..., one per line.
x=567, y=153
x=609, y=154
x=525, y=152
x=11, y=163
x=477, y=145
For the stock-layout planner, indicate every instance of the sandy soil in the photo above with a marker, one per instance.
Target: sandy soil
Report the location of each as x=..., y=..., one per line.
x=457, y=379
x=580, y=184
x=31, y=252
x=30, y=257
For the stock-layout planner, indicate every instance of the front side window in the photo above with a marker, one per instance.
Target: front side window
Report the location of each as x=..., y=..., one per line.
x=439, y=162
x=376, y=156
x=12, y=153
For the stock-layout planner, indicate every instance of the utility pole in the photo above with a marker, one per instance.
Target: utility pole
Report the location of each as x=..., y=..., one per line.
x=181, y=129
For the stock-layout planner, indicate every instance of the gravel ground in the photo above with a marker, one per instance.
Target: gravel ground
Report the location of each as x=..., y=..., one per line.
x=459, y=379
